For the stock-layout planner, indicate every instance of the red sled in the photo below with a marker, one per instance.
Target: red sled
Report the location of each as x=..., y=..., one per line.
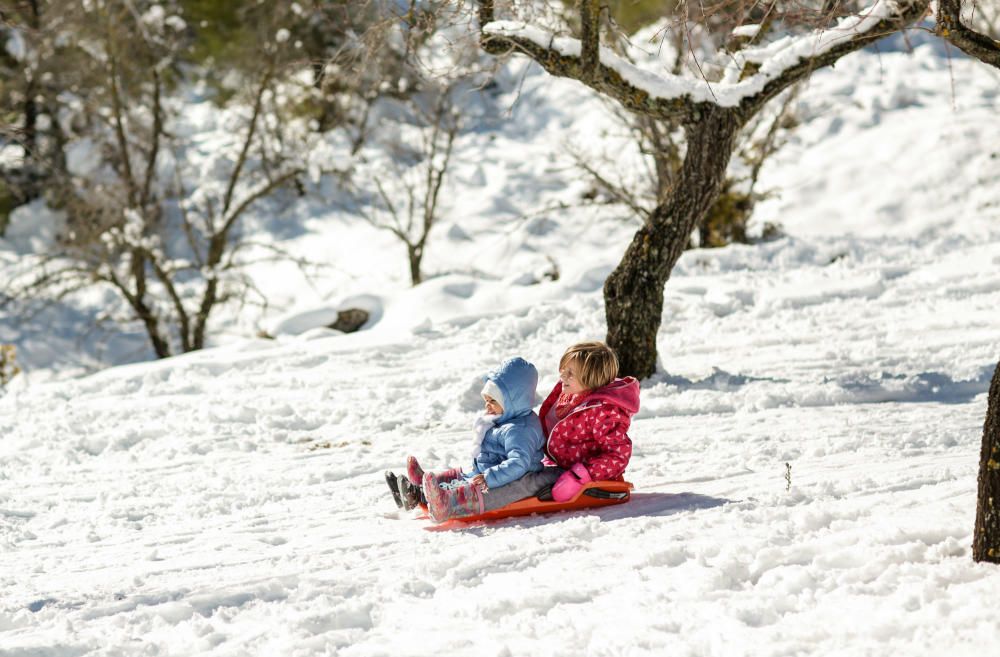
x=594, y=494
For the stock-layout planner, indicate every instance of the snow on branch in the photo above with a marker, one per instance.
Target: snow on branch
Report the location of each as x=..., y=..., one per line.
x=746, y=79
x=747, y=31
x=663, y=86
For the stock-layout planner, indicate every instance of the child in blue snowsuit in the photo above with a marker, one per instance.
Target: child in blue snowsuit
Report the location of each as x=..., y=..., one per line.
x=507, y=453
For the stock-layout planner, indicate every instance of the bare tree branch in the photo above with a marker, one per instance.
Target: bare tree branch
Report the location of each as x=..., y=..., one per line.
x=618, y=192
x=248, y=140
x=398, y=230
x=186, y=225
x=259, y=193
x=156, y=136
x=114, y=78
x=495, y=40
x=975, y=44
x=557, y=55
x=167, y=280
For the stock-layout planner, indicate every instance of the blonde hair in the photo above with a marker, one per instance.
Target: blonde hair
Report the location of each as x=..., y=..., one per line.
x=596, y=361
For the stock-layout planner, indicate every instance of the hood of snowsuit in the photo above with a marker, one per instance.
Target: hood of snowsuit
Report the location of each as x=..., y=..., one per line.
x=517, y=379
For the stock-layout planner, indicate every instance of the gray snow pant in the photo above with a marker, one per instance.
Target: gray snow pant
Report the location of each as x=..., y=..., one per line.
x=526, y=486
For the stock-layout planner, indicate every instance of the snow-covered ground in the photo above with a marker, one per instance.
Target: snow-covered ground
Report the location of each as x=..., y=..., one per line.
x=805, y=462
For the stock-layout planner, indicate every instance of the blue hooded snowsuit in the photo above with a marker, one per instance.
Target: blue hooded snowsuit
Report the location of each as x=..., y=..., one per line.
x=512, y=447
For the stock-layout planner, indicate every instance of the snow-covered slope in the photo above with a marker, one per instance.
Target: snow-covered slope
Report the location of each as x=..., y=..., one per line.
x=230, y=502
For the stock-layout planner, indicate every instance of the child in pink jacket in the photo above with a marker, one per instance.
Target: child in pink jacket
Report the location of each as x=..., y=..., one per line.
x=586, y=418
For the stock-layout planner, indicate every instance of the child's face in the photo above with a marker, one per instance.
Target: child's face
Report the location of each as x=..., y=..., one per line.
x=493, y=407
x=569, y=376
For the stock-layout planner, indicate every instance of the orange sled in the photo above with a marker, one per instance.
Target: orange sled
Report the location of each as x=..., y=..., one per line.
x=596, y=493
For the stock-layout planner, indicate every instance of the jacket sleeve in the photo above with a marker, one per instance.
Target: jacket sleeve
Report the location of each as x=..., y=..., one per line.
x=517, y=443
x=615, y=446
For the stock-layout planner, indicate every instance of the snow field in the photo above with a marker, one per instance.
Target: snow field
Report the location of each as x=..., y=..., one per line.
x=216, y=505
x=230, y=502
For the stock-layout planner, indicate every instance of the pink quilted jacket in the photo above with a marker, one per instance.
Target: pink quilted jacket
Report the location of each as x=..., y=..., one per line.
x=595, y=432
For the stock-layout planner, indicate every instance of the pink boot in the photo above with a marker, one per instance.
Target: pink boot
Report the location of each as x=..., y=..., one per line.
x=457, y=502
x=416, y=474
x=449, y=475
x=413, y=471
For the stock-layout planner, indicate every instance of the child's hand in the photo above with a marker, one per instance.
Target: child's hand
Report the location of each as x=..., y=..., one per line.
x=570, y=482
x=479, y=481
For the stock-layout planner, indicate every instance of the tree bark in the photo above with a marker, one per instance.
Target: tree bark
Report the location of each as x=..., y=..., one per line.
x=590, y=36
x=986, y=536
x=975, y=44
x=415, y=253
x=633, y=293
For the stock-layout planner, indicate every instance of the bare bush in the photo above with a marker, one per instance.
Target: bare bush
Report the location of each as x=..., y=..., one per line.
x=436, y=67
x=409, y=191
x=141, y=221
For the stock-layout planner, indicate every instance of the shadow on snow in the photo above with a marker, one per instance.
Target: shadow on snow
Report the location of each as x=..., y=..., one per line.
x=922, y=387
x=860, y=387
x=641, y=505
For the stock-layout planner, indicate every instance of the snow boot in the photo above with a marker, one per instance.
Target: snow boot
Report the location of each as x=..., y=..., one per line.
x=410, y=496
x=416, y=474
x=456, y=502
x=413, y=471
x=453, y=474
x=393, y=483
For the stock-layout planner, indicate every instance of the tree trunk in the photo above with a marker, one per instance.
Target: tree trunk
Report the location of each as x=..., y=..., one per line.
x=208, y=301
x=30, y=188
x=160, y=346
x=30, y=121
x=633, y=293
x=30, y=105
x=986, y=536
x=142, y=309
x=415, y=252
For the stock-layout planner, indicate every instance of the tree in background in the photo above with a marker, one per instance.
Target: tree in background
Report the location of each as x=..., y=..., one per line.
x=986, y=534
x=432, y=71
x=661, y=145
x=166, y=237
x=711, y=105
x=371, y=76
x=140, y=221
x=339, y=42
x=37, y=51
x=418, y=171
